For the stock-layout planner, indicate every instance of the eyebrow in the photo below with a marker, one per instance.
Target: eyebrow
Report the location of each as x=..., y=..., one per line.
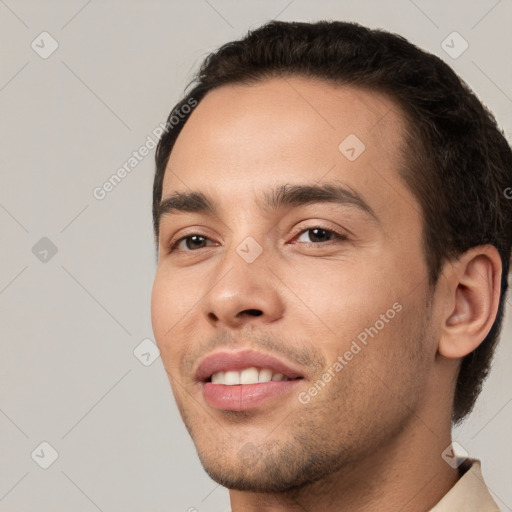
x=286, y=195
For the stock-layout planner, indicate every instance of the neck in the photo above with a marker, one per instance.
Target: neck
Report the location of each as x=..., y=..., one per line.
x=406, y=474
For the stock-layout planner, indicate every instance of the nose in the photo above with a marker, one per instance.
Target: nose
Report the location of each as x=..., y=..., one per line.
x=243, y=293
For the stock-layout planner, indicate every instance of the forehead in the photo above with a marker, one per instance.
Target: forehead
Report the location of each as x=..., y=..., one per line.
x=244, y=138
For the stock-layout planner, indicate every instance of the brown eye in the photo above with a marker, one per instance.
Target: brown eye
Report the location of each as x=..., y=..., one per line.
x=319, y=235
x=191, y=242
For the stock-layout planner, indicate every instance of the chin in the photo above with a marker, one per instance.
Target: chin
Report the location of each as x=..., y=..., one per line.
x=279, y=470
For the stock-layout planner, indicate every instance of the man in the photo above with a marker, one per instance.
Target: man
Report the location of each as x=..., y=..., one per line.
x=334, y=240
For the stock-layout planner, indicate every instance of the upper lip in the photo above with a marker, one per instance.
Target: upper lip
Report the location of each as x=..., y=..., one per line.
x=223, y=361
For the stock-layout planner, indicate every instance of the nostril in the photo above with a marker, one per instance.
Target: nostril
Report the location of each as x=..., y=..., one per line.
x=253, y=312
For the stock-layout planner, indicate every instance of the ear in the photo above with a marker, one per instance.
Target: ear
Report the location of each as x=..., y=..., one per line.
x=471, y=292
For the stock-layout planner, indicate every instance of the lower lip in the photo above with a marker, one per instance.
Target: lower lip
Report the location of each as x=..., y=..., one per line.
x=243, y=397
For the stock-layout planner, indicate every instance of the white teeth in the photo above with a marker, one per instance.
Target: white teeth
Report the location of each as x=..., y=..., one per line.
x=218, y=378
x=246, y=376
x=265, y=375
x=231, y=378
x=249, y=376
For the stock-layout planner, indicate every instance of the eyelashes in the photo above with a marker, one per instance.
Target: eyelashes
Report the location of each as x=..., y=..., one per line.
x=335, y=235
x=173, y=245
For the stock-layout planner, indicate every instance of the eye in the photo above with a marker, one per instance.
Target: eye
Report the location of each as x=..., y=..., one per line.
x=191, y=242
x=319, y=235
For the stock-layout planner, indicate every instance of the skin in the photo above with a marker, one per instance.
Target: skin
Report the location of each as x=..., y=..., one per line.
x=375, y=433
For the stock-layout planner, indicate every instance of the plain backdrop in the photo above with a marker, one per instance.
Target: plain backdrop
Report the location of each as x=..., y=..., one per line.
x=76, y=272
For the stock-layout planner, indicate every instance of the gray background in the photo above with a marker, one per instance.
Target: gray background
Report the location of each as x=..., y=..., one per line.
x=70, y=323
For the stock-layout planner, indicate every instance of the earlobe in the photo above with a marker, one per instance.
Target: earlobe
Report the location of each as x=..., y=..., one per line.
x=473, y=288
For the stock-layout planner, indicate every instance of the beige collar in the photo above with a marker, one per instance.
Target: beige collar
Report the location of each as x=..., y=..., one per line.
x=469, y=494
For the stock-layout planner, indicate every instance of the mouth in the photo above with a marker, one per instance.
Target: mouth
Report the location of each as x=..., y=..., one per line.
x=247, y=376
x=244, y=380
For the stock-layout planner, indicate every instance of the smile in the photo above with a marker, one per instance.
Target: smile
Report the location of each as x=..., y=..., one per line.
x=247, y=376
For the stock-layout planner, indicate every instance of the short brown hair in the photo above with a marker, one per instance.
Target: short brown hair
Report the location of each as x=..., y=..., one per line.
x=458, y=162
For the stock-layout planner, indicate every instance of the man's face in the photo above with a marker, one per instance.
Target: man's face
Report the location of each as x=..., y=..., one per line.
x=336, y=292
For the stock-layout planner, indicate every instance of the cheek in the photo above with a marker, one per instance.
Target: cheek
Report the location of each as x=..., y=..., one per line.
x=169, y=307
x=160, y=299
x=344, y=297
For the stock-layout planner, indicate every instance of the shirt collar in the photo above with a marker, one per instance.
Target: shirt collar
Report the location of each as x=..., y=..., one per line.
x=469, y=494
